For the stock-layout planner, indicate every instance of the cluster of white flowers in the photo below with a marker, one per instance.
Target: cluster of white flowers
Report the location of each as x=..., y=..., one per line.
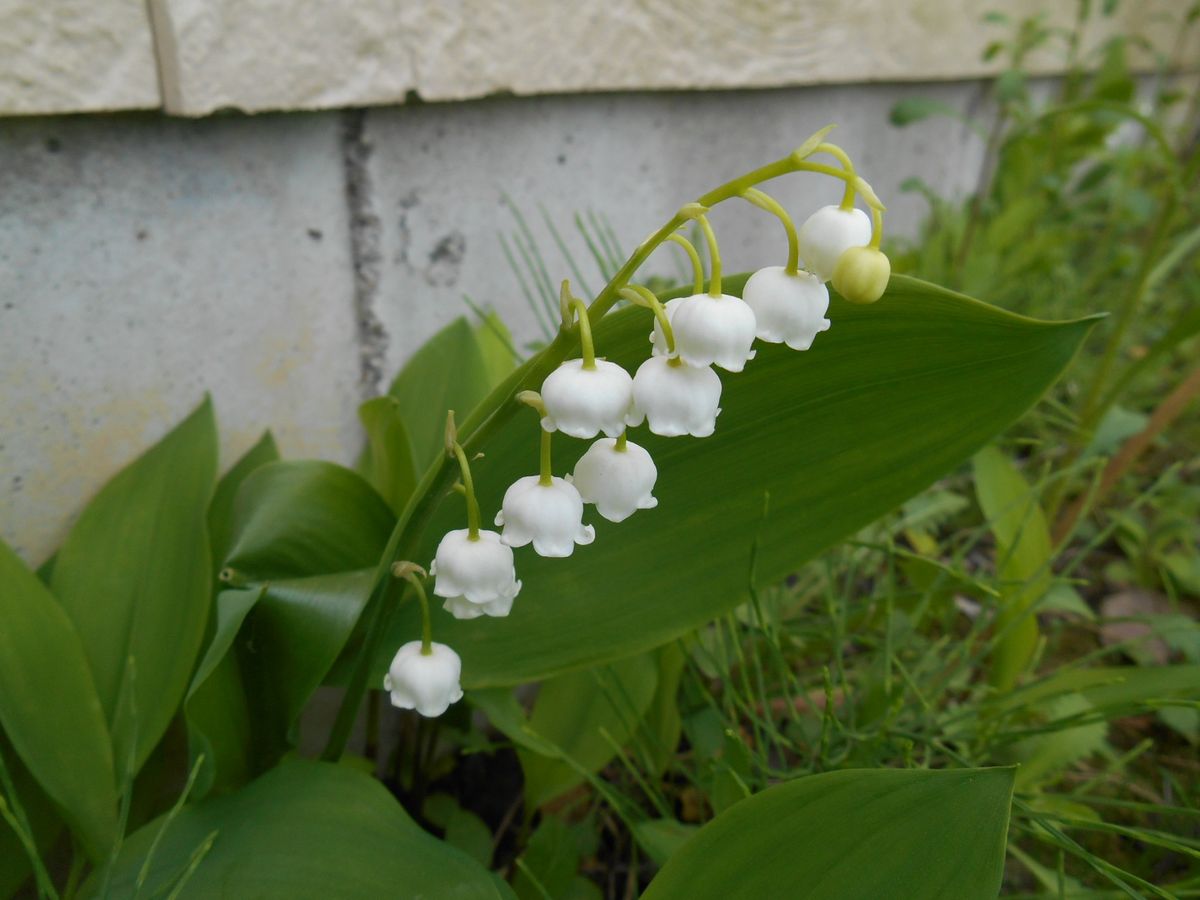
x=675, y=392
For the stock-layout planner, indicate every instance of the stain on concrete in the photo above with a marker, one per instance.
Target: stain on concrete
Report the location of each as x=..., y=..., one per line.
x=365, y=251
x=445, y=260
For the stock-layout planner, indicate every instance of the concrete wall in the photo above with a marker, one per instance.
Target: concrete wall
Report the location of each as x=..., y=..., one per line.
x=290, y=263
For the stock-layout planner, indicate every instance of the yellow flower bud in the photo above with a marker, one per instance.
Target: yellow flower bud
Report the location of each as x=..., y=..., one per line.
x=861, y=274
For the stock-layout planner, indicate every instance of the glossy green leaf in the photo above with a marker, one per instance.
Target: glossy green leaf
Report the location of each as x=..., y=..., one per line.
x=134, y=575
x=304, y=830
x=574, y=711
x=387, y=460
x=550, y=863
x=215, y=709
x=220, y=510
x=49, y=707
x=218, y=718
x=661, y=838
x=449, y=372
x=288, y=645
x=496, y=345
x=662, y=726
x=306, y=517
x=891, y=398
x=461, y=827
x=45, y=824
x=937, y=835
x=1109, y=688
x=1023, y=554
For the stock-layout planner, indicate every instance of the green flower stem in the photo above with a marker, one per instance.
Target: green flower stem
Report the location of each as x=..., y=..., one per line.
x=546, y=472
x=492, y=414
x=426, y=626
x=840, y=155
x=714, y=256
x=768, y=203
x=694, y=256
x=622, y=443
x=585, y=333
x=876, y=228
x=643, y=296
x=469, y=491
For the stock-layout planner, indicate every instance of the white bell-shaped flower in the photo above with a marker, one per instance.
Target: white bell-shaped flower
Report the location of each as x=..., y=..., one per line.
x=789, y=309
x=426, y=683
x=476, y=577
x=617, y=480
x=550, y=516
x=657, y=338
x=714, y=331
x=827, y=234
x=583, y=402
x=676, y=398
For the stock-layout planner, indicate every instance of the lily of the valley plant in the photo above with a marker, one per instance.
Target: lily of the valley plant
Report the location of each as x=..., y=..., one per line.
x=675, y=392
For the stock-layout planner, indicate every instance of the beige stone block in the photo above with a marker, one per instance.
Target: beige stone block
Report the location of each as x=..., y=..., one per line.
x=280, y=54
x=75, y=56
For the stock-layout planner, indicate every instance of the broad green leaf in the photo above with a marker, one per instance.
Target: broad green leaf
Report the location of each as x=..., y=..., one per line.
x=462, y=828
x=937, y=835
x=220, y=510
x=49, y=708
x=574, y=711
x=660, y=838
x=306, y=517
x=891, y=398
x=550, y=863
x=1023, y=555
x=660, y=729
x=387, y=461
x=218, y=719
x=1109, y=687
x=505, y=712
x=215, y=710
x=134, y=576
x=449, y=372
x=288, y=645
x=1043, y=757
x=38, y=811
x=496, y=345
x=304, y=830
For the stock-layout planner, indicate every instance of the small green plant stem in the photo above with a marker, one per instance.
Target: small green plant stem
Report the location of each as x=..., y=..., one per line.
x=622, y=443
x=840, y=155
x=694, y=256
x=714, y=256
x=464, y=467
x=643, y=296
x=768, y=203
x=546, y=467
x=876, y=228
x=585, y=333
x=492, y=414
x=408, y=572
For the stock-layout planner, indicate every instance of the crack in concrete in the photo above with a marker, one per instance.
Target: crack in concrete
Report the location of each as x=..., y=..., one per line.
x=366, y=253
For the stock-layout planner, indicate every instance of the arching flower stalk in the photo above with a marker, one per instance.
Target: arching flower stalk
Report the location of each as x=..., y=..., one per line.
x=675, y=392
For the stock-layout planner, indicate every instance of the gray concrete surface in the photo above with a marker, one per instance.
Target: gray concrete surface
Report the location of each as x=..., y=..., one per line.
x=289, y=264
